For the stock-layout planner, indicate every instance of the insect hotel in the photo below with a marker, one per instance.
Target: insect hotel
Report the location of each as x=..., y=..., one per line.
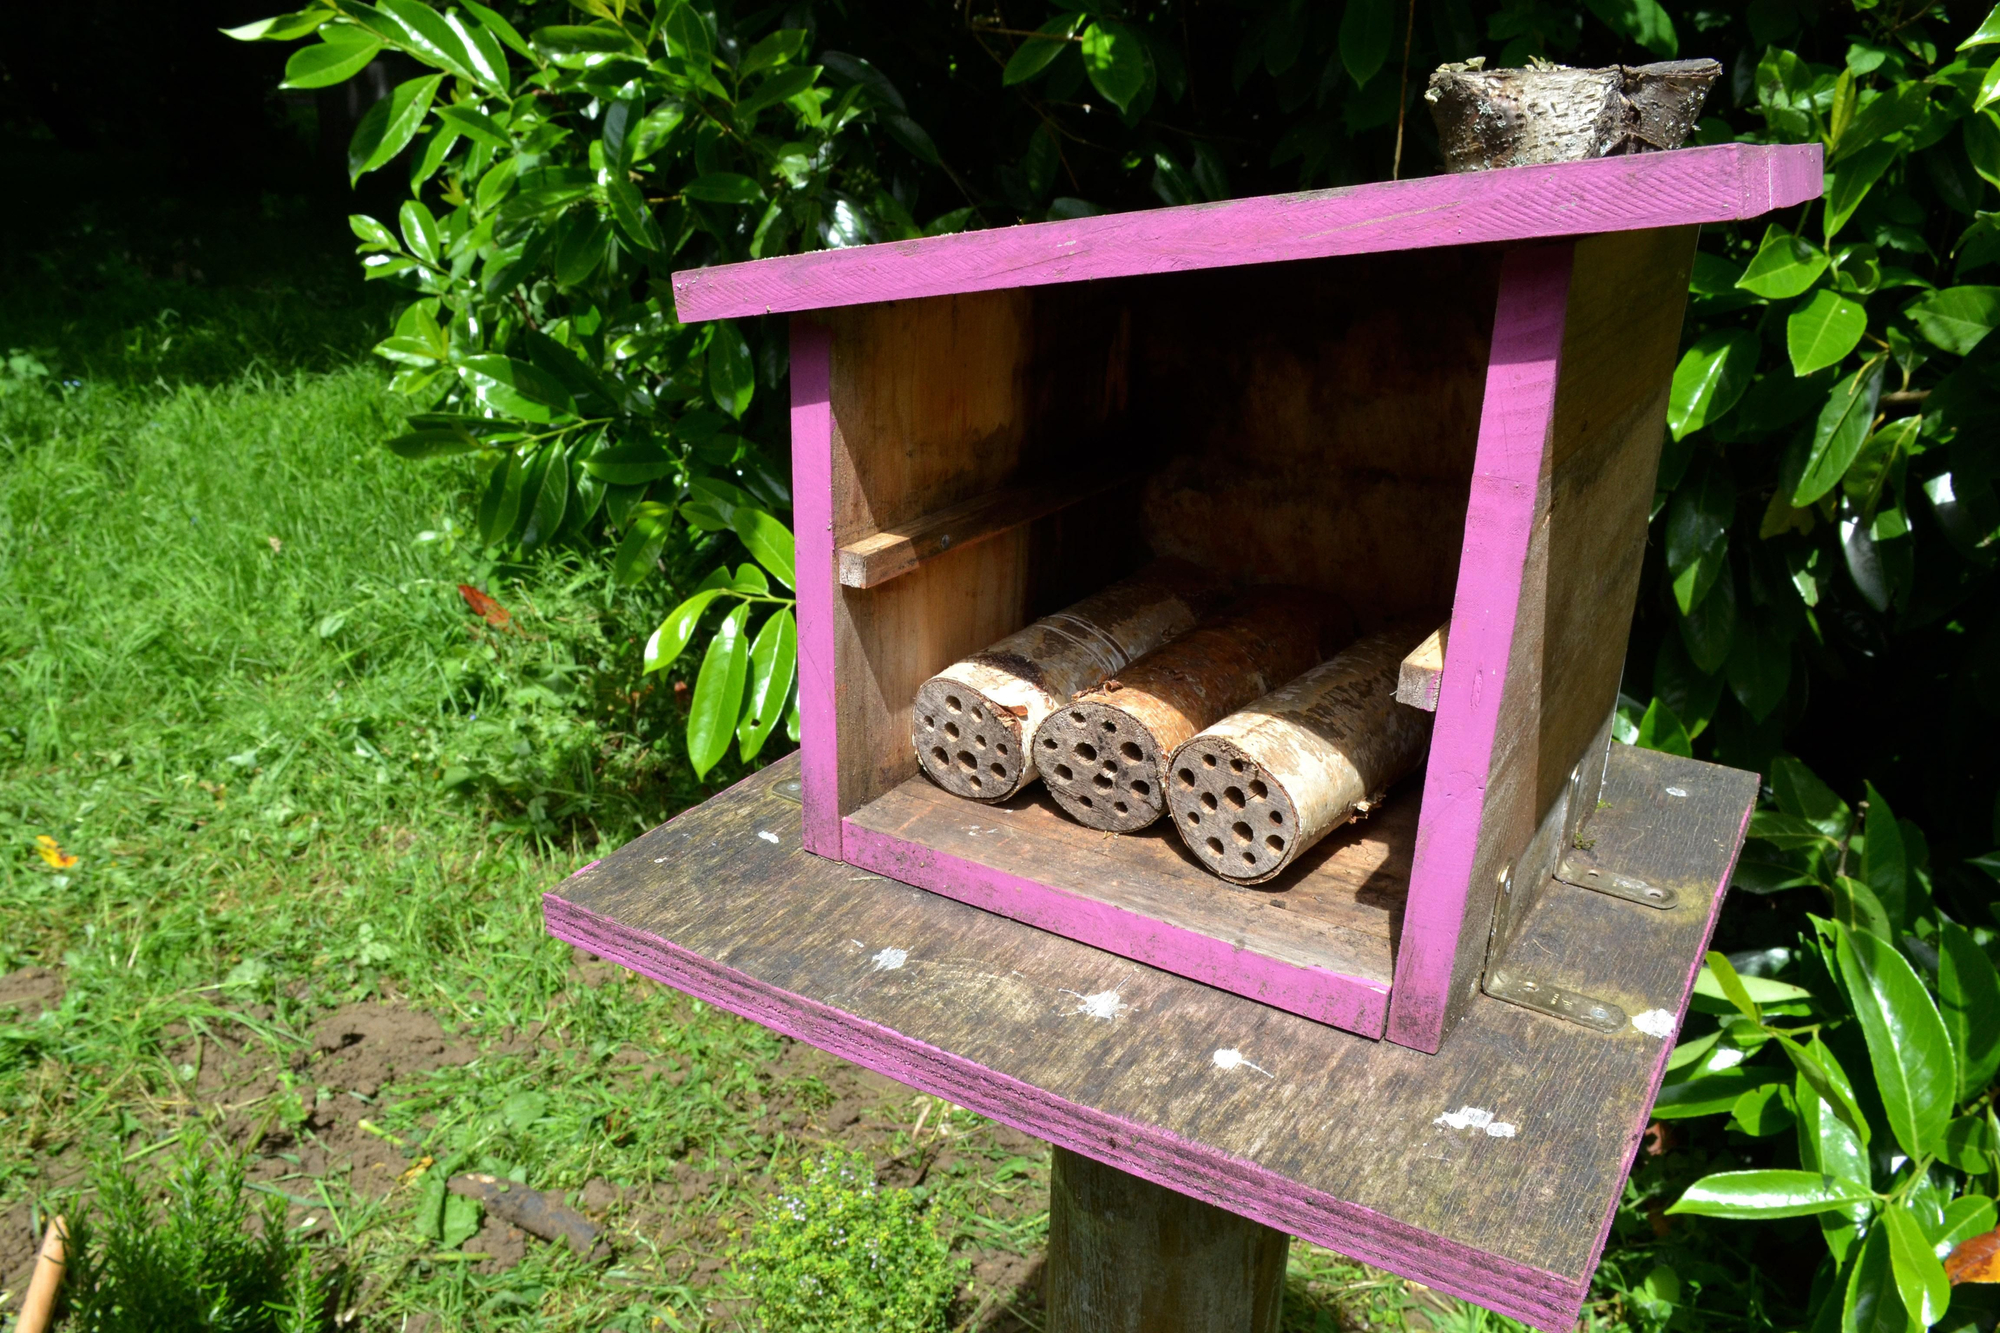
x=1210, y=621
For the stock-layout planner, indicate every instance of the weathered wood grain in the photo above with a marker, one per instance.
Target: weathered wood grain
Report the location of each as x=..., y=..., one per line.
x=881, y=556
x=1689, y=187
x=1318, y=940
x=1126, y=1256
x=1496, y=118
x=1313, y=1131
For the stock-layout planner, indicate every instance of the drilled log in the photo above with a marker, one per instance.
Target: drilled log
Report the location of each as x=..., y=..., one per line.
x=974, y=720
x=1102, y=755
x=1490, y=118
x=1253, y=792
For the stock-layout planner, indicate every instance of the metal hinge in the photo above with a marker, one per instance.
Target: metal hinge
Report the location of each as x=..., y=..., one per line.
x=1580, y=867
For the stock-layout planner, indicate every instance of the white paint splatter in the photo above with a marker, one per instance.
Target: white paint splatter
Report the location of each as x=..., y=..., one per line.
x=1105, y=1004
x=890, y=959
x=767, y=836
x=1475, y=1117
x=659, y=860
x=857, y=944
x=1231, y=1058
x=1654, y=1022
x=1676, y=791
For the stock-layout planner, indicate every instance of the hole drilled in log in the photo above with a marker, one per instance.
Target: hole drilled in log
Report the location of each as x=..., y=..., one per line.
x=1063, y=772
x=1133, y=754
x=1086, y=752
x=951, y=730
x=1186, y=776
x=1233, y=795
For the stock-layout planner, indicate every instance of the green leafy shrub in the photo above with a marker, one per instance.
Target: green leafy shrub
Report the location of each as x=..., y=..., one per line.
x=190, y=1262
x=556, y=180
x=1864, y=1057
x=836, y=1253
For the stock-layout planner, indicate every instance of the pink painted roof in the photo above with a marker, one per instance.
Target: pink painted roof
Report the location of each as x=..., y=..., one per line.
x=1723, y=183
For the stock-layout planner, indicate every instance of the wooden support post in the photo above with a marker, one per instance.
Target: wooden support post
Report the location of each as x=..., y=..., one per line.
x=1128, y=1256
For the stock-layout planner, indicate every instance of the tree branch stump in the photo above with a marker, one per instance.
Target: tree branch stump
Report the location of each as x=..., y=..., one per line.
x=974, y=721
x=1103, y=755
x=1256, y=790
x=1128, y=1256
x=1490, y=118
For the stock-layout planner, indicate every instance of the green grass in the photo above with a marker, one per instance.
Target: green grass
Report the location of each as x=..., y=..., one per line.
x=239, y=685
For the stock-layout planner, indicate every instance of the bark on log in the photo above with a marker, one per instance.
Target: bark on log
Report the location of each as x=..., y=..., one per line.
x=1490, y=118
x=1103, y=755
x=974, y=721
x=1253, y=792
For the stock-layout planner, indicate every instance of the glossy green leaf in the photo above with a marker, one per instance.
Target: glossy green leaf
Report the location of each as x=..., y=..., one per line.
x=724, y=187
x=1784, y=265
x=475, y=123
x=388, y=126
x=1722, y=974
x=1843, y=426
x=732, y=379
x=1823, y=331
x=767, y=539
x=780, y=87
x=1660, y=729
x=718, y=693
x=779, y=48
x=1034, y=53
x=1849, y=182
x=1856, y=907
x=436, y=42
x=1708, y=632
x=688, y=36
x=631, y=464
x=1759, y=669
x=1908, y=1047
x=1758, y=990
x=420, y=230
x=1711, y=376
x=500, y=503
x=634, y=219
x=341, y=53
x=1822, y=1074
x=516, y=388
x=500, y=27
x=1764, y=1111
x=1968, y=1145
x=1709, y=1094
x=1116, y=61
x=1985, y=34
x=1957, y=319
x=1367, y=32
x=433, y=444
x=581, y=249
x=773, y=661
x=657, y=127
x=282, y=28
x=1697, y=546
x=1884, y=862
x=1989, y=88
x=1920, y=1277
x=1966, y=1216
x=1770, y=1193
x=1642, y=22
x=1870, y=1302
x=1969, y=1001
x=371, y=232
x=671, y=638
x=1786, y=831
x=550, y=497
x=1800, y=792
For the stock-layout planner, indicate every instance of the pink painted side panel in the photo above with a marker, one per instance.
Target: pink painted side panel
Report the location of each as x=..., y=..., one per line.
x=1541, y=1298
x=1691, y=185
x=812, y=524
x=1354, y=1004
x=1514, y=427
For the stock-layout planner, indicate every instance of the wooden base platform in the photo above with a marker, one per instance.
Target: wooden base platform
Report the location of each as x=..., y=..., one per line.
x=1319, y=940
x=1489, y=1170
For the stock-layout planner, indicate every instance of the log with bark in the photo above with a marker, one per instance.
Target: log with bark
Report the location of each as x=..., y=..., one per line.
x=1253, y=792
x=974, y=721
x=1490, y=118
x=1102, y=756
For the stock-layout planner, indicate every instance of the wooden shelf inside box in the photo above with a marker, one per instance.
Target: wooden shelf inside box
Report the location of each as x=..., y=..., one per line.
x=1318, y=941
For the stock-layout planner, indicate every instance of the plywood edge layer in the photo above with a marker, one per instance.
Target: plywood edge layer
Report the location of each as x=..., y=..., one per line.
x=1547, y=1300
x=881, y=556
x=1351, y=1003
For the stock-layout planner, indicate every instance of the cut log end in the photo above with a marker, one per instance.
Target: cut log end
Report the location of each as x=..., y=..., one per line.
x=1102, y=766
x=1234, y=815
x=968, y=745
x=1488, y=118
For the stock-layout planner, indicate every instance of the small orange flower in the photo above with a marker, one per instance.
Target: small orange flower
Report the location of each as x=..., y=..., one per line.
x=52, y=852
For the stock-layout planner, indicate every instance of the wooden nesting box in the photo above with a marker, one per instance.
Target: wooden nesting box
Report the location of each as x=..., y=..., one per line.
x=1441, y=400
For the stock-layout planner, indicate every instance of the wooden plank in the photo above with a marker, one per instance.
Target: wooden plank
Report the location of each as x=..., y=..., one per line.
x=1480, y=783
x=1318, y=940
x=812, y=521
x=1633, y=192
x=1316, y=1132
x=868, y=561
x=1417, y=682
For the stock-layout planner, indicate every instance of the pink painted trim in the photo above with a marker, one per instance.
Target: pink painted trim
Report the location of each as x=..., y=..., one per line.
x=1352, y=1003
x=1637, y=1133
x=1514, y=430
x=1547, y=1300
x=812, y=525
x=1692, y=185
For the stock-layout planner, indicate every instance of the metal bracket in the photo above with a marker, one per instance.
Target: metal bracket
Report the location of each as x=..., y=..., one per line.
x=1524, y=990
x=1580, y=868
x=789, y=790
